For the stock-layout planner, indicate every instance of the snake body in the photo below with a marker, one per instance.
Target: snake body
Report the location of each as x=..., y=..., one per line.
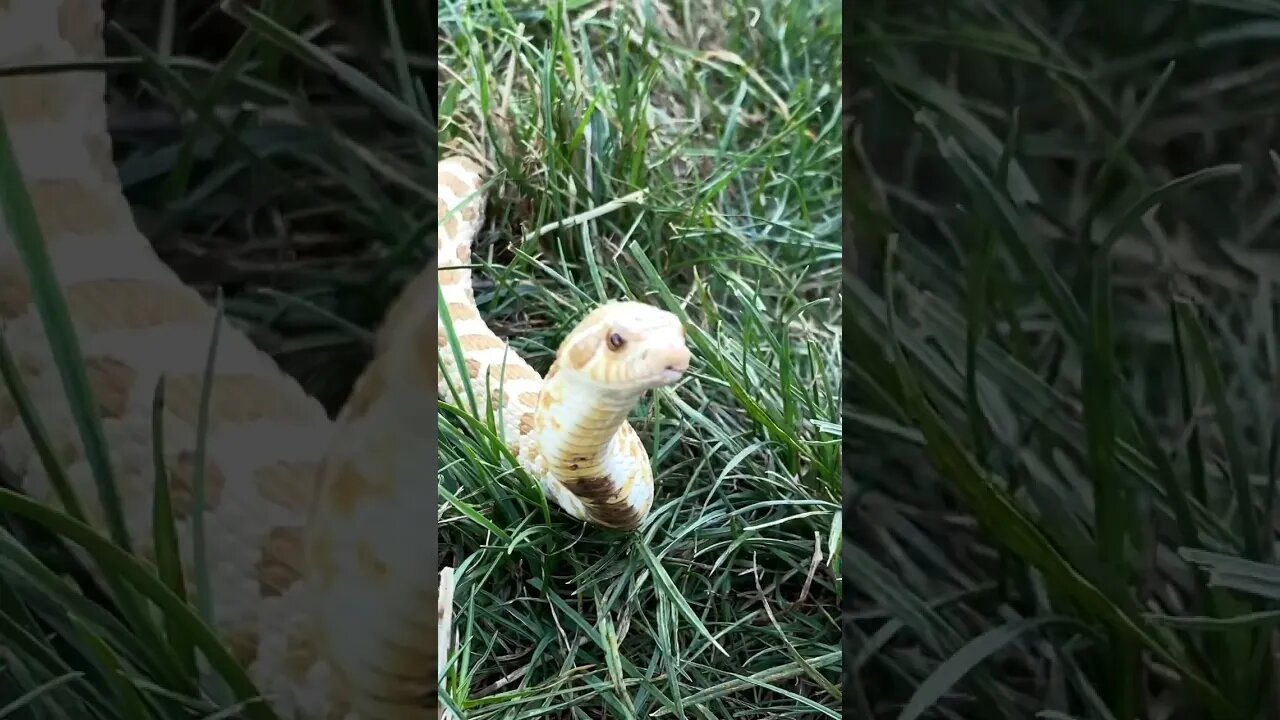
x=136, y=320
x=569, y=429
x=315, y=527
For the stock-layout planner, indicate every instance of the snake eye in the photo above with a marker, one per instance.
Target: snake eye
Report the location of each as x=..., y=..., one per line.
x=616, y=341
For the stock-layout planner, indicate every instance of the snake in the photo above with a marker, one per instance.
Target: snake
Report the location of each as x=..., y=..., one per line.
x=568, y=429
x=313, y=526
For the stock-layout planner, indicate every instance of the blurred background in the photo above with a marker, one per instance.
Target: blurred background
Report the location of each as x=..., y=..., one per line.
x=1060, y=348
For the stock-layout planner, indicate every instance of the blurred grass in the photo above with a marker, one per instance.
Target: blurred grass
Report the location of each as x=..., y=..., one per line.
x=263, y=158
x=1062, y=435
x=725, y=119
x=280, y=152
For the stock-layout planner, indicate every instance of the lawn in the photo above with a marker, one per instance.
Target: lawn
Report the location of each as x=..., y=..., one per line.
x=1062, y=435
x=686, y=156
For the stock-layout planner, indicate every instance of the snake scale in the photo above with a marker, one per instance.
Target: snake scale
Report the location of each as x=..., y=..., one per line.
x=314, y=526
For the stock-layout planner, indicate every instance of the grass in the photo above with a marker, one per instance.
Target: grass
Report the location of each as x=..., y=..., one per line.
x=719, y=128
x=287, y=163
x=1060, y=333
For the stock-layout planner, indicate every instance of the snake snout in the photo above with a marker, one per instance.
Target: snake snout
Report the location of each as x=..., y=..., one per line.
x=675, y=364
x=678, y=358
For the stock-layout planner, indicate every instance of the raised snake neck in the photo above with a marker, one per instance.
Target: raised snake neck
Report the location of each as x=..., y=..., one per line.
x=569, y=429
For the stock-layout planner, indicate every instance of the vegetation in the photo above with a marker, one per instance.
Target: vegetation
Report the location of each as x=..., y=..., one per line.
x=280, y=153
x=1061, y=340
x=686, y=157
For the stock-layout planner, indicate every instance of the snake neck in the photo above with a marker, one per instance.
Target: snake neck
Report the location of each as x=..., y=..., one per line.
x=582, y=435
x=578, y=424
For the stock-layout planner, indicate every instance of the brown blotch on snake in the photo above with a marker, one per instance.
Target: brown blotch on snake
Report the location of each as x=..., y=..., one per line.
x=37, y=97
x=182, y=481
x=113, y=304
x=349, y=488
x=238, y=398
x=95, y=209
x=112, y=382
x=280, y=563
x=85, y=37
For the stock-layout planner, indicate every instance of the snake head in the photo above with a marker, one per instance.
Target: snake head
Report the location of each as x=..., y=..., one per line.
x=627, y=347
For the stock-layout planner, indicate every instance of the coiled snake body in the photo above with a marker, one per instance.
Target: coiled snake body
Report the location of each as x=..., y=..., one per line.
x=315, y=528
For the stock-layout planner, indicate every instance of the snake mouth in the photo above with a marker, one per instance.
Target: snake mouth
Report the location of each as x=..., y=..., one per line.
x=671, y=374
